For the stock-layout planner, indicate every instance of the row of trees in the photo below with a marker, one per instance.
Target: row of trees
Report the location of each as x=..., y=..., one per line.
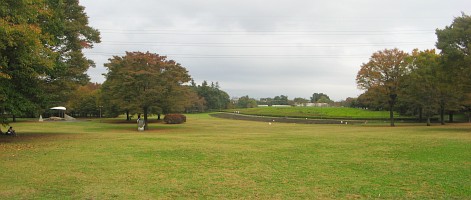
x=247, y=102
x=41, y=59
x=42, y=66
x=148, y=83
x=421, y=82
x=90, y=101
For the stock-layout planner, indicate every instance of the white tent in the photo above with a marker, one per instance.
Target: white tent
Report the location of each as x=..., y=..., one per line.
x=61, y=110
x=58, y=108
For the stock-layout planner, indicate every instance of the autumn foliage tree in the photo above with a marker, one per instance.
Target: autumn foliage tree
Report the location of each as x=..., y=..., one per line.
x=41, y=44
x=24, y=57
x=69, y=33
x=146, y=81
x=382, y=75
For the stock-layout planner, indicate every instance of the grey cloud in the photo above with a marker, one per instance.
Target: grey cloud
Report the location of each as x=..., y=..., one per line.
x=243, y=43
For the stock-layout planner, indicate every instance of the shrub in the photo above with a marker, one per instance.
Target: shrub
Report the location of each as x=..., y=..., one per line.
x=174, y=118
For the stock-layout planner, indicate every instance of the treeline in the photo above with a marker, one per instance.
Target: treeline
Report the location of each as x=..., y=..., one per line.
x=423, y=83
x=247, y=102
x=210, y=97
x=42, y=66
x=89, y=101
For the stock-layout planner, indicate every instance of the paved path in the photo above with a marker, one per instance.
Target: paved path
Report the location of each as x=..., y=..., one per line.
x=284, y=119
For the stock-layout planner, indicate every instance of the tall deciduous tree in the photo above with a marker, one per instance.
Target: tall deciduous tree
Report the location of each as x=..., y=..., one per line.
x=454, y=41
x=24, y=57
x=421, y=86
x=147, y=81
x=70, y=34
x=40, y=43
x=382, y=74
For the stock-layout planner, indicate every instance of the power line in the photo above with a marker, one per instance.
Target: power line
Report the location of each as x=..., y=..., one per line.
x=260, y=45
x=239, y=55
x=271, y=33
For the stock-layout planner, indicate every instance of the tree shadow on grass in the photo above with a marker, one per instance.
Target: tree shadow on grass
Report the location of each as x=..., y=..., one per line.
x=123, y=121
x=28, y=136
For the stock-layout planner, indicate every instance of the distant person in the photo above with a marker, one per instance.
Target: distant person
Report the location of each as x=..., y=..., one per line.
x=140, y=123
x=11, y=131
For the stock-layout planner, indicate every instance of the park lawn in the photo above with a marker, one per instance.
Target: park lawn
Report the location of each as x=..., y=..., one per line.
x=218, y=158
x=317, y=112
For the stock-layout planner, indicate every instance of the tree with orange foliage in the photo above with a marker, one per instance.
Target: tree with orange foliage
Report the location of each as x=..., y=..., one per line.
x=147, y=81
x=382, y=75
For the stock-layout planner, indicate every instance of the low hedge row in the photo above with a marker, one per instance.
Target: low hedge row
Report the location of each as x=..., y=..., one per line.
x=174, y=119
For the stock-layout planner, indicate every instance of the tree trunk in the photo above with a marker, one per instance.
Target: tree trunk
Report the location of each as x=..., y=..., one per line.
x=14, y=118
x=428, y=120
x=391, y=116
x=421, y=114
x=158, y=116
x=450, y=117
x=145, y=118
x=127, y=116
x=392, y=101
x=442, y=114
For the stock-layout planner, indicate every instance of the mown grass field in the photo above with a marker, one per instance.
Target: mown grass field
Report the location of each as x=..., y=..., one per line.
x=224, y=159
x=317, y=112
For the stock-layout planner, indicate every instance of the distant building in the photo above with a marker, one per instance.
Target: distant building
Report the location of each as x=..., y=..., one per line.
x=313, y=105
x=235, y=100
x=280, y=105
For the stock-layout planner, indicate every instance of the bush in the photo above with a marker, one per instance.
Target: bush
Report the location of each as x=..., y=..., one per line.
x=174, y=118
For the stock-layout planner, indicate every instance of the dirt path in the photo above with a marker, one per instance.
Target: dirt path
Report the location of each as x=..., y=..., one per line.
x=284, y=119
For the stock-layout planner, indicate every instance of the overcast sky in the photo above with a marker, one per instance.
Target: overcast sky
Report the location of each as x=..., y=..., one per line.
x=266, y=48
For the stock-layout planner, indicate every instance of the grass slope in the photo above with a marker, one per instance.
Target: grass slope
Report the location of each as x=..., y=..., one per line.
x=317, y=112
x=217, y=158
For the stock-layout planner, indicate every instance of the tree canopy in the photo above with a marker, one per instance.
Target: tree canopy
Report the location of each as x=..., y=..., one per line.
x=246, y=102
x=41, y=42
x=320, y=98
x=421, y=86
x=214, y=98
x=147, y=82
x=454, y=41
x=382, y=75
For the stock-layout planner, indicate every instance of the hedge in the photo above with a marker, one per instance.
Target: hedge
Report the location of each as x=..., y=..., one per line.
x=174, y=119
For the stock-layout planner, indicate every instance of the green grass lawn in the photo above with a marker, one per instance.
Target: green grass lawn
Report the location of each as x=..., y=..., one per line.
x=317, y=112
x=224, y=159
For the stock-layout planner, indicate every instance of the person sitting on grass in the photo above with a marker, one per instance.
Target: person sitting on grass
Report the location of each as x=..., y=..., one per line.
x=11, y=131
